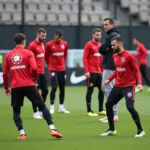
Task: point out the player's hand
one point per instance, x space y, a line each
7 92
106 83
140 87
87 74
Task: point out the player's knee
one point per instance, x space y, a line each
130 107
41 105
90 90
109 104
45 92
54 89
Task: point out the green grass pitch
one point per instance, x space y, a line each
80 132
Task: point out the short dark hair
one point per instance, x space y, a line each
40 30
19 38
59 33
138 39
96 30
117 38
111 21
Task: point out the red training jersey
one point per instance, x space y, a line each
141 54
18 64
56 55
92 59
38 50
127 71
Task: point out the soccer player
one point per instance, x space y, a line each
141 60
18 64
37 47
108 63
125 74
92 62
55 56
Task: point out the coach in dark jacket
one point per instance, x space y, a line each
108 63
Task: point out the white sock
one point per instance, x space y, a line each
36 113
52 127
51 106
115 116
40 113
22 132
61 106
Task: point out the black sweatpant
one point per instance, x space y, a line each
17 99
94 81
57 79
43 86
114 97
144 74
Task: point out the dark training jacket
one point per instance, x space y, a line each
108 62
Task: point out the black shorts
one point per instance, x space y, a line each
117 94
42 82
57 78
18 94
95 80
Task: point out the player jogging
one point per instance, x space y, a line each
92 61
141 55
37 47
18 64
125 74
55 57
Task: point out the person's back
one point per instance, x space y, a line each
19 67
19 61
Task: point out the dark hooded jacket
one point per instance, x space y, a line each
108 62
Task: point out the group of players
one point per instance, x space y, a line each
103 62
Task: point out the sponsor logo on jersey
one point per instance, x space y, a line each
18 67
16 58
58 54
40 55
121 69
97 54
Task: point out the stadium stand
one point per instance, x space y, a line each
65 12
138 7
53 12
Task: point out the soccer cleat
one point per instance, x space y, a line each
63 110
51 111
137 90
102 119
22 137
109 132
37 116
56 134
148 90
91 114
103 112
40 113
105 120
140 133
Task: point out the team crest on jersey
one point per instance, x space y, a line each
62 46
123 59
16 58
129 94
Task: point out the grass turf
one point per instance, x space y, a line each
80 132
